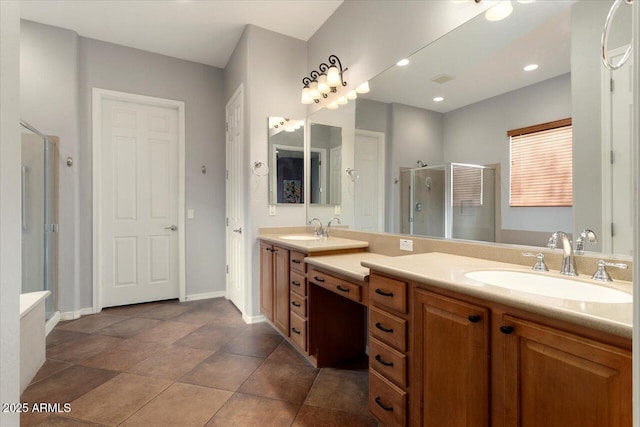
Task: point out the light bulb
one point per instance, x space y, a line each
333 76
306 96
313 90
289 129
342 101
363 88
402 62
333 105
351 95
500 11
323 87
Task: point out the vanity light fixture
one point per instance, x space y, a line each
530 67
363 88
320 83
351 95
403 62
438 99
279 124
500 11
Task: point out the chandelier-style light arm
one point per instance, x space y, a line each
334 60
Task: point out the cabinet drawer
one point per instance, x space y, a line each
298 331
297 262
387 361
388 328
298 283
386 401
298 304
318 277
346 289
387 292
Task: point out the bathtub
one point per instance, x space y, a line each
32 335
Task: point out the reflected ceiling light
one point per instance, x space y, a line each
402 62
363 88
342 100
319 84
438 99
279 124
333 105
351 94
531 67
500 11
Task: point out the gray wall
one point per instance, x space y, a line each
58 71
270 67
477 134
10 268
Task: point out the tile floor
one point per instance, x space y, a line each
187 364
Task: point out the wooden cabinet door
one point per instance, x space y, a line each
281 282
553 378
266 280
451 363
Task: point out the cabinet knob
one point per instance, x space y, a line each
474 318
506 329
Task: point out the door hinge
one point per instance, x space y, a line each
612 233
226 126
611 156
611 84
227 268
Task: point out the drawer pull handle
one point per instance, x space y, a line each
474 318
341 289
295 261
295 331
295 304
318 279
274 250
383 293
383 329
384 362
506 329
268 249
294 283
382 405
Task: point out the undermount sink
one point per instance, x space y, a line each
300 237
548 286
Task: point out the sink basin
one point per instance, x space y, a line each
300 237
554 287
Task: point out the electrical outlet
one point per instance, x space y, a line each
272 210
337 209
406 245
190 214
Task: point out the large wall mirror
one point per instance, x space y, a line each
437 129
286 160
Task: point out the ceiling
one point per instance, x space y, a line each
484 59
204 31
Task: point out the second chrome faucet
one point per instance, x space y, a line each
568 261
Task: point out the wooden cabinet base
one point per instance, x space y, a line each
386 401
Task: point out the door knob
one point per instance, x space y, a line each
172 228
238 230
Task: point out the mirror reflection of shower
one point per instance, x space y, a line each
39 214
451 200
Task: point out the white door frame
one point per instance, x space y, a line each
98 97
380 136
238 171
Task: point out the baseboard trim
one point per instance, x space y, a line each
253 319
51 323
206 295
72 315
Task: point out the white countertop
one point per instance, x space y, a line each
309 246
349 265
448 272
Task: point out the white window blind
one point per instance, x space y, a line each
542 165
467 185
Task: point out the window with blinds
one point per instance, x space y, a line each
467 185
542 165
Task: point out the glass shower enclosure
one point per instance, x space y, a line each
39 214
452 200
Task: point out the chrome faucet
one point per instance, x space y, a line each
326 230
568 260
587 236
319 230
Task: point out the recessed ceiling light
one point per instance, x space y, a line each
402 62
526 1
500 11
531 67
438 99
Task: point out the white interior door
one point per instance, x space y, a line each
369 186
139 203
235 206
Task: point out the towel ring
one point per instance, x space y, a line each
260 165
605 35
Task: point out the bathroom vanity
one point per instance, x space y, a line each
445 347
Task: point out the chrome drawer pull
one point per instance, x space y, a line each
383 329
383 293
385 363
380 404
341 289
